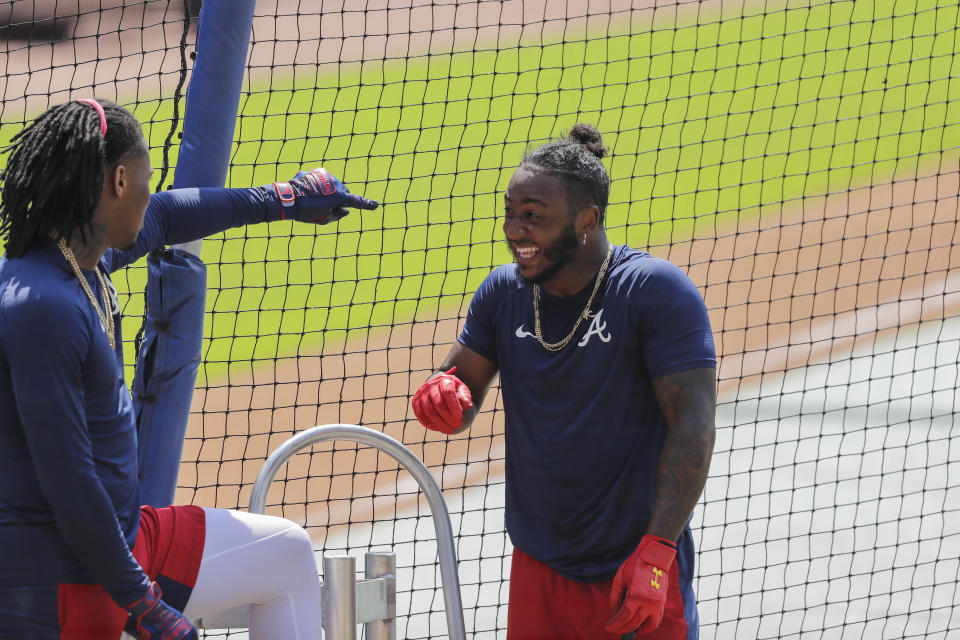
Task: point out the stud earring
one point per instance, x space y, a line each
584 243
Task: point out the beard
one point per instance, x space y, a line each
558 254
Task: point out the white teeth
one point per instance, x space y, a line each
526 252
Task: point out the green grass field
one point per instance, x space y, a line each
712 119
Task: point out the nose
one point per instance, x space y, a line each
513 228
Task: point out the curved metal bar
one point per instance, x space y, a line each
446 551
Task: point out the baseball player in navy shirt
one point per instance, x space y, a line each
608 374
79 557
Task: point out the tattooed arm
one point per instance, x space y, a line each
688 401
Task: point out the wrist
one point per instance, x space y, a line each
657 551
449 373
146 601
649 538
273 206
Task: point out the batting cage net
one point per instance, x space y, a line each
799 160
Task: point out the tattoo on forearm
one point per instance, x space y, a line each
688 401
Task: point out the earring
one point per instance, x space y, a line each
584 243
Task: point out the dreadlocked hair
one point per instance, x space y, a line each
576 159
55 171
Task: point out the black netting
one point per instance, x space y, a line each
798 160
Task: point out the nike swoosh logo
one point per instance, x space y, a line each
524 334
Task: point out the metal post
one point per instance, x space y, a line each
339 598
383 565
446 550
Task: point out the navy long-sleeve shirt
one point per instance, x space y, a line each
69 491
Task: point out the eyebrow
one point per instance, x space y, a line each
527 199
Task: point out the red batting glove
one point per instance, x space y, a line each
439 404
639 590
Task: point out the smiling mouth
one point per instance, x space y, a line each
525 254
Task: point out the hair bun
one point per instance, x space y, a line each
588 136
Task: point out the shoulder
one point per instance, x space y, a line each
505 276
36 293
638 268
501 281
499 289
635 263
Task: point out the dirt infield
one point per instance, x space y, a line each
810 284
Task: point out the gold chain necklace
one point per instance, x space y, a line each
106 318
557 346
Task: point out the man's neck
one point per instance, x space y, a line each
580 271
88 251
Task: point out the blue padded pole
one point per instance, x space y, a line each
213 96
169 357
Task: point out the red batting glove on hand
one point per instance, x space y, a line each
154 619
639 590
439 404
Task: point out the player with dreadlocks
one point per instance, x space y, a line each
608 374
81 559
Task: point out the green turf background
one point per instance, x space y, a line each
713 120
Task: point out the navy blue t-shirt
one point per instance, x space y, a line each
69 492
583 429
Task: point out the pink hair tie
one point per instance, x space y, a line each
103 117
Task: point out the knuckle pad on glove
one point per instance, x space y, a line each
324 181
446 386
311 182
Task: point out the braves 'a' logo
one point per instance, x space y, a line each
597 328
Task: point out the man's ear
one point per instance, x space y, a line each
587 219
115 180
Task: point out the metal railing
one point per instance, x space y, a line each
346 604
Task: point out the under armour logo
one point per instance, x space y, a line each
657 574
524 334
597 327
